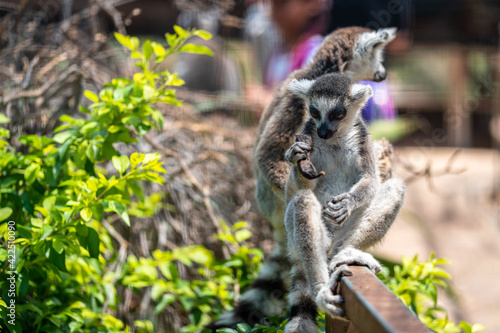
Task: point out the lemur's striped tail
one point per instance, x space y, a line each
303 309
264 298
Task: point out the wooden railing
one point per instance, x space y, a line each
371 307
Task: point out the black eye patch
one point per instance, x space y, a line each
314 112
337 113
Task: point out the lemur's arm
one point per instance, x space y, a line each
296 181
277 136
364 190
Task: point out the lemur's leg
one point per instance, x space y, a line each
265 297
372 228
308 241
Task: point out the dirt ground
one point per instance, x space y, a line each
459 220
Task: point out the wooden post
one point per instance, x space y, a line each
371 307
456 118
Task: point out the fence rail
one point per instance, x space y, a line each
371 307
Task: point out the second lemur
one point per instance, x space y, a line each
330 220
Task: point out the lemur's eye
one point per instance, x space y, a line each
314 112
337 113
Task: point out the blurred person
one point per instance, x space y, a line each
301 23
294 32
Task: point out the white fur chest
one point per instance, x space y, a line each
341 166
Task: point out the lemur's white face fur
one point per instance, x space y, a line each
332 100
369 55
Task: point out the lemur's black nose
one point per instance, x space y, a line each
380 76
324 132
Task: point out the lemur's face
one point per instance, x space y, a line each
369 55
332 100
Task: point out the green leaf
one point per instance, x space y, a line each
82 230
157 117
226 330
4 119
98 211
136 189
62 136
31 173
201 255
242 235
147 49
170 39
136 159
117 207
135 43
58 246
58 259
243 328
179 31
84 109
198 49
5 213
466 327
121 163
124 40
239 225
440 273
166 299
47 230
93 243
148 92
90 95
136 55
25 279
121 93
86 214
478 328
203 34
131 120
158 49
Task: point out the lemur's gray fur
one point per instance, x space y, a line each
331 219
358 53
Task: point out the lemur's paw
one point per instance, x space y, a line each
352 256
339 209
324 300
297 152
337 275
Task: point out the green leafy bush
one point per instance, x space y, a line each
416 284
57 195
217 286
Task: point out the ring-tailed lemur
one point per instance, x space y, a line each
358 53
329 220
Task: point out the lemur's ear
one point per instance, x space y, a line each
386 35
376 38
300 87
360 93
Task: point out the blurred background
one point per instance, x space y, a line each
439 106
